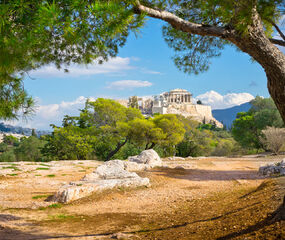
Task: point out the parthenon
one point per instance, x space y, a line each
177 96
179 101
176 101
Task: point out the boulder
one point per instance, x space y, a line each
80 189
109 175
149 157
133 166
113 169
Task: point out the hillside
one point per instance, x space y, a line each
6 128
228 115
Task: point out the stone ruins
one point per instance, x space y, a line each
176 101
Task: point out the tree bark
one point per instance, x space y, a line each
260 48
112 153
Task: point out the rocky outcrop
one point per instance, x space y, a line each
277 168
111 174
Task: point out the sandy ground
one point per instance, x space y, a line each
201 198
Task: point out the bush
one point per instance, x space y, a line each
8 156
273 139
29 149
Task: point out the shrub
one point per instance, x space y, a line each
8 156
273 138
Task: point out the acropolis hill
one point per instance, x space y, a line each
176 101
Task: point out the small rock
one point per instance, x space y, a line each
180 168
277 168
120 236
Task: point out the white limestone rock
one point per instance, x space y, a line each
109 175
133 166
149 157
71 192
113 169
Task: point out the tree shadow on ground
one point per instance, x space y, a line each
277 216
208 175
12 234
8 217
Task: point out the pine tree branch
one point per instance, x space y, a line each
183 25
278 30
277 41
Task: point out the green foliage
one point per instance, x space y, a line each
40 196
29 149
205 140
227 147
248 126
129 149
245 131
3 147
70 142
36 32
8 156
10 140
143 132
194 52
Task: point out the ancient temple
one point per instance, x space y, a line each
179 101
176 101
178 96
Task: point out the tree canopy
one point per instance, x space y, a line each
34 33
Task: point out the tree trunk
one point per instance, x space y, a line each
259 47
149 147
112 153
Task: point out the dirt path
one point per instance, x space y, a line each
209 198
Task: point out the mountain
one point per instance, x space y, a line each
228 115
5 128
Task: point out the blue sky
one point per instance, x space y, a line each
143 67
150 60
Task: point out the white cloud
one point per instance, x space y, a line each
218 101
147 71
129 84
117 66
53 114
113 66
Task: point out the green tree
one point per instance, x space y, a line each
70 142
245 131
173 131
8 156
29 149
34 133
144 132
37 32
112 119
10 140
247 127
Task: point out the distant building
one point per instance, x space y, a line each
176 101
179 101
